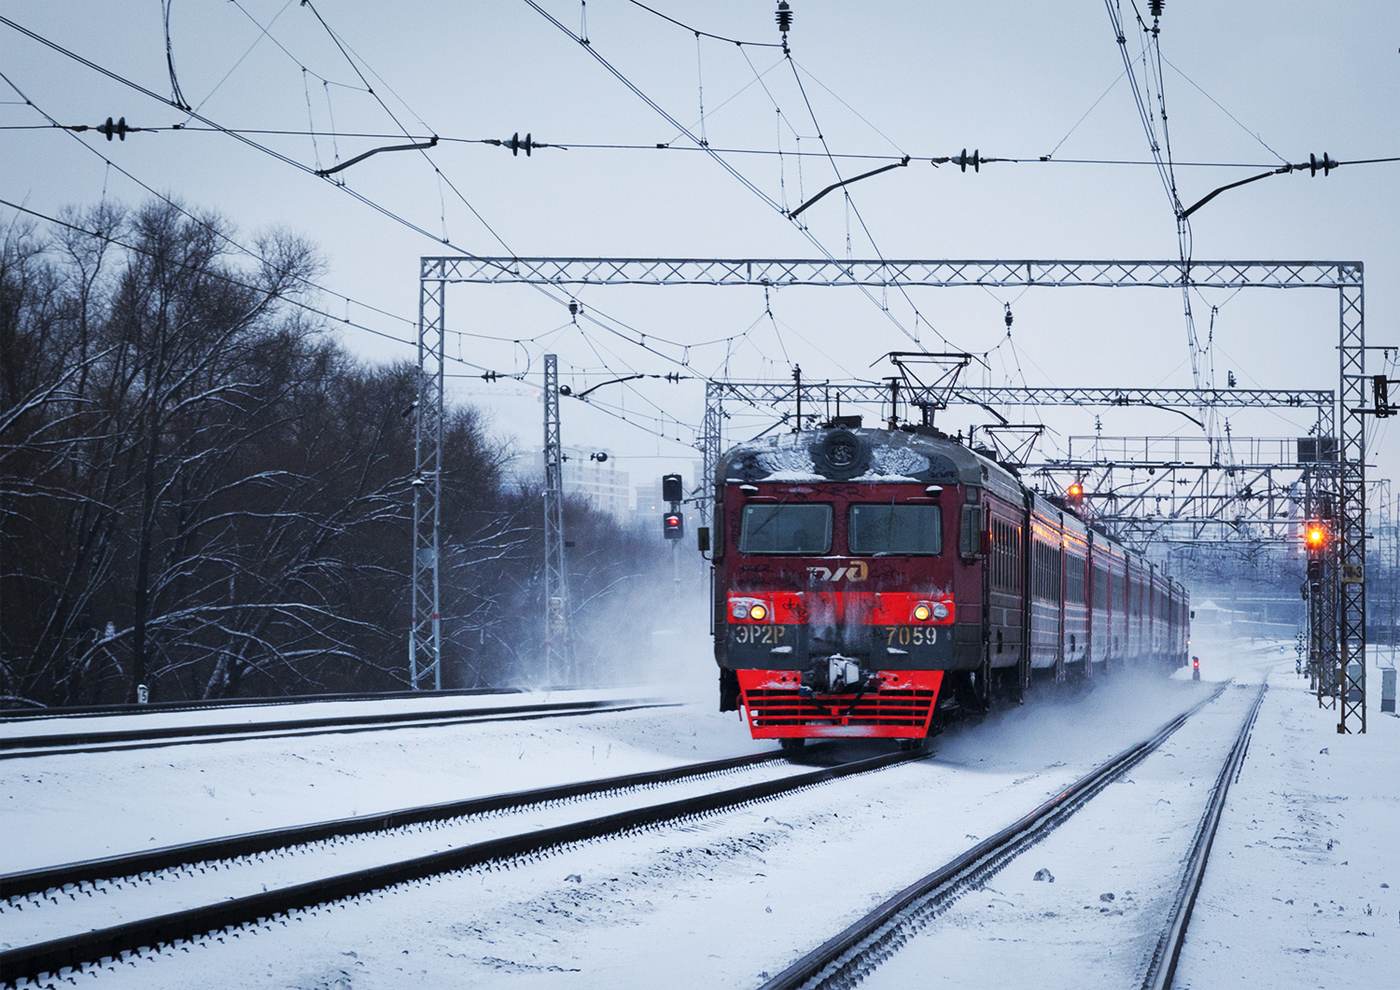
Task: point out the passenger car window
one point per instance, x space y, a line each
791 529
896 529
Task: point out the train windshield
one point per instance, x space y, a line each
786 529
895 529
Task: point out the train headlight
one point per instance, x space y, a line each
922 613
940 611
758 612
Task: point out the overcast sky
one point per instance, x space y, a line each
1247 84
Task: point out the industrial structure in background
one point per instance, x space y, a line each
1339 481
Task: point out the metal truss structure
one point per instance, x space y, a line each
1347 484
557 645
1175 490
425 626
816 273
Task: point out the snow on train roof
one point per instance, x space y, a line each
863 455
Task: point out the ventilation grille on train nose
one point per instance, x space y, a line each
771 707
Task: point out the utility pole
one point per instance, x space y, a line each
558 645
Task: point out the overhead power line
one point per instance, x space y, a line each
705 34
527 144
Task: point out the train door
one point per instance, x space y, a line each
1005 597
1075 631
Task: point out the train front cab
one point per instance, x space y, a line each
822 628
873 617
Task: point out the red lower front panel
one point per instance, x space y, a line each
900 709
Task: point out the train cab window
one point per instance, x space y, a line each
902 530
786 529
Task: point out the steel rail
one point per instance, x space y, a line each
845 957
1168 952
36 713
74 951
15 747
24 883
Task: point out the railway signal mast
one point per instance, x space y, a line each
673 523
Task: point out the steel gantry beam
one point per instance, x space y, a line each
907 273
818 395
1345 277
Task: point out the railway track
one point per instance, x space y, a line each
149 737
849 956
38 713
387 850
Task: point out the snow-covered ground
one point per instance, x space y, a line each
1303 886
725 900
254 716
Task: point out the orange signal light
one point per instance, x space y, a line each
1316 536
1076 490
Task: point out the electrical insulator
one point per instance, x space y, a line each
1327 164
120 129
1155 6
784 18
963 161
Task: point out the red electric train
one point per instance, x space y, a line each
881 582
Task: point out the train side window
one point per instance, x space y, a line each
970 533
717 532
876 529
785 529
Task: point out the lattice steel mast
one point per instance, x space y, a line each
558 647
425 627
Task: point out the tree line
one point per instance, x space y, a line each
203 493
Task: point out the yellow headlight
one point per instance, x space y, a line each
758 612
922 613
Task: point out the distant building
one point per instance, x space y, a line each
593 474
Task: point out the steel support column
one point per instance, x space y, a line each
1351 549
711 446
558 650
425 627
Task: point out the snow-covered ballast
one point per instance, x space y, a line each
867 578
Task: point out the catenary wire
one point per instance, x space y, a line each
704 34
212 125
606 146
